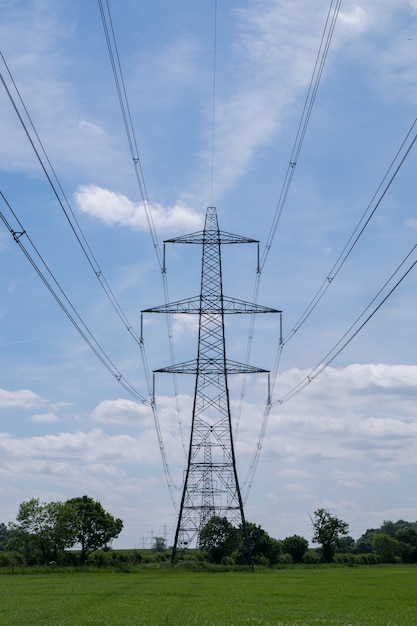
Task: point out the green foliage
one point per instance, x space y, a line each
90 526
40 531
311 557
346 544
328 530
219 539
44 531
223 543
5 535
264 549
386 547
296 546
405 533
11 559
364 543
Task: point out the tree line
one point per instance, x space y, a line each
44 532
70 532
391 542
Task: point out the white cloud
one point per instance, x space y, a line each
252 108
116 208
354 18
121 411
22 399
91 446
91 128
43 418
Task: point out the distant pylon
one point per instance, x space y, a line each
211 486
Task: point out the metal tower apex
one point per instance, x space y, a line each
211 234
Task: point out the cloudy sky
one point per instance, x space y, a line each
347 440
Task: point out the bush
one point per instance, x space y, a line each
284 559
296 546
311 557
11 559
345 558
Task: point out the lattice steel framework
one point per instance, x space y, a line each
211 485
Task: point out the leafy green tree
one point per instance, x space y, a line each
407 536
346 545
386 547
264 549
219 538
40 531
90 526
364 544
5 535
404 532
296 547
328 529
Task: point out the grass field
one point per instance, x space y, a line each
356 596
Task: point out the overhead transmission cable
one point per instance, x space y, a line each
314 84
345 340
62 199
320 62
118 76
76 228
353 330
213 108
394 168
19 235
389 177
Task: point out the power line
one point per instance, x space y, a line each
63 301
64 202
317 73
213 111
113 51
353 330
389 177
321 58
123 99
77 231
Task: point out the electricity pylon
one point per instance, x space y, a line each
211 485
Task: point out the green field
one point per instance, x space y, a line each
364 595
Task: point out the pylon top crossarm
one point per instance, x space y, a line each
211 237
200 304
211 233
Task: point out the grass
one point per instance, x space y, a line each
299 596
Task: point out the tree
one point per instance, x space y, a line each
219 538
346 545
407 536
386 547
40 533
264 549
5 535
364 544
328 529
90 526
295 546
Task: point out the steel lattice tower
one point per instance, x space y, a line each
211 485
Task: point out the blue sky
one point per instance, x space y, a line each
347 442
